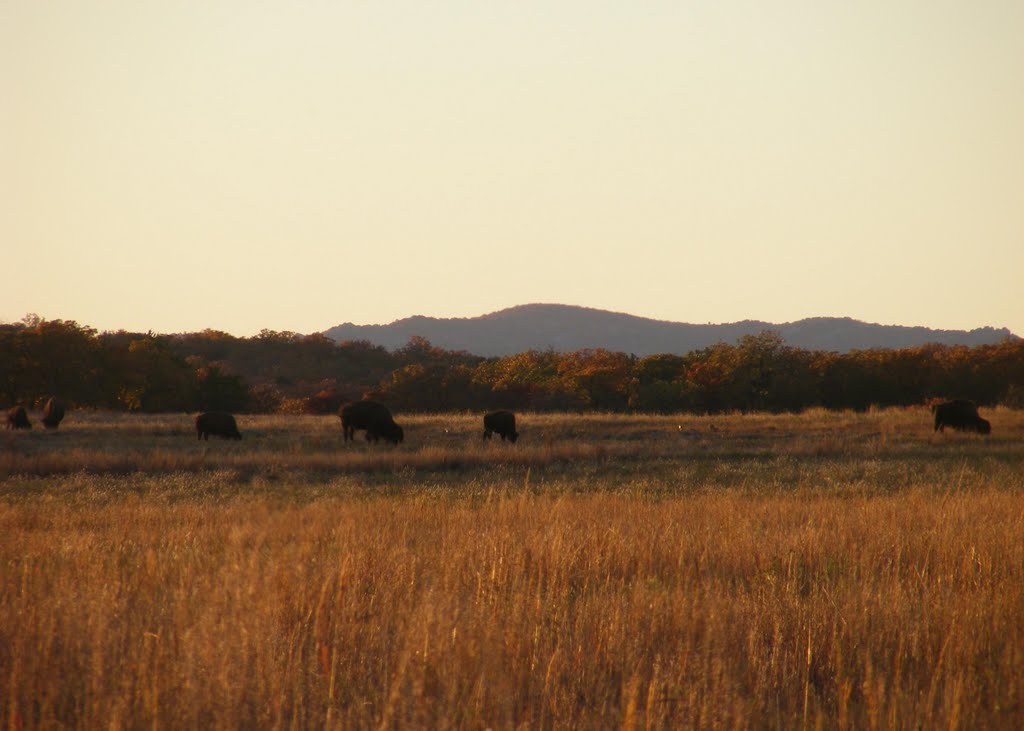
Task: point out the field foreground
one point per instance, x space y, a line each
835 570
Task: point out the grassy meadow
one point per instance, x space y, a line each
826 570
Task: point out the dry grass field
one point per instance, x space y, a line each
826 570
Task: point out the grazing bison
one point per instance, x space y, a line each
502 423
374 418
961 415
217 423
53 414
18 419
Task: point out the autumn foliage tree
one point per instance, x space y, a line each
527 381
660 384
602 379
310 373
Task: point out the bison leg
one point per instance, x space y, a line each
487 433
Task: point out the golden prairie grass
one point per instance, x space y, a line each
120 443
826 570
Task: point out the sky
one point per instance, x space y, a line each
241 165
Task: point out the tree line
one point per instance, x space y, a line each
287 372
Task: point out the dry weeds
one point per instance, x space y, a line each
841 571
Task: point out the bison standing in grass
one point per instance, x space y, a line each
217 423
17 418
53 414
374 418
502 423
961 415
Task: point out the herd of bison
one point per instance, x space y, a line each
376 420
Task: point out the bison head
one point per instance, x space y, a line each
394 434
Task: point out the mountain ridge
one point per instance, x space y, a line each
566 328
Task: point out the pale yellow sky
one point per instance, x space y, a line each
242 165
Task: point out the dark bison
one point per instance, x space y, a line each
961 415
502 423
18 419
217 423
374 418
53 414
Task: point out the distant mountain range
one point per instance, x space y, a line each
567 328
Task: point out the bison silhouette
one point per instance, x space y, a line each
372 417
217 423
502 423
17 418
53 414
961 415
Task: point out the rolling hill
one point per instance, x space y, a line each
568 328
